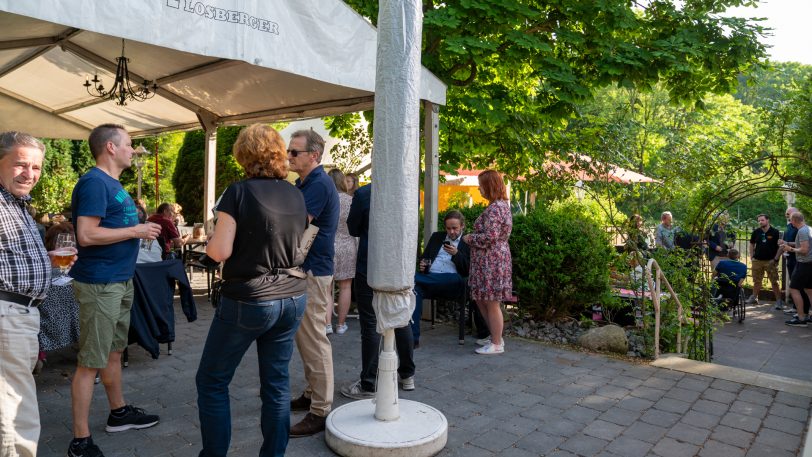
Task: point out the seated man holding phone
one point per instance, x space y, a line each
443 267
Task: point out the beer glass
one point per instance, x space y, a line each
64 251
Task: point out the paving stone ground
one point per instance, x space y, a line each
533 400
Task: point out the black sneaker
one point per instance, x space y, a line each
86 449
795 322
133 418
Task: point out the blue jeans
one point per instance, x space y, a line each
237 324
434 285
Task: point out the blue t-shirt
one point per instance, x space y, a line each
734 270
321 199
97 194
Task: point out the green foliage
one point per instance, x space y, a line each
471 214
517 68
348 153
188 176
167 147
561 259
459 200
52 193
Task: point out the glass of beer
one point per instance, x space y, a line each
64 251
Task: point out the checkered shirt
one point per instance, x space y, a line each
24 264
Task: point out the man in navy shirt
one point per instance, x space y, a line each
107 233
321 198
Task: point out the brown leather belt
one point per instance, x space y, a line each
19 299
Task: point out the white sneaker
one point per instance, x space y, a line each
341 329
491 349
751 300
484 341
328 329
407 384
779 305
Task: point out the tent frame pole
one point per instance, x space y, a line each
431 163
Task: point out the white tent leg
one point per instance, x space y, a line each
431 178
209 170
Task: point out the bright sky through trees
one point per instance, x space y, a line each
791 38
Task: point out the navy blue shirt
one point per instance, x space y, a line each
358 225
734 270
98 194
321 200
789 236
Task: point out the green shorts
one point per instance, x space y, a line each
104 320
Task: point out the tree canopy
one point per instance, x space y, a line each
516 69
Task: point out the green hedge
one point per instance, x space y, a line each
561 258
188 177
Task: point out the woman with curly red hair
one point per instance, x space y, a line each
260 222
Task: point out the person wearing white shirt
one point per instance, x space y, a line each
443 267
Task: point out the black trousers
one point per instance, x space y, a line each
371 339
791 262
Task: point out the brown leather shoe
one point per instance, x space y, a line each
300 404
310 425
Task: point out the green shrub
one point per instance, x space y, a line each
561 259
188 177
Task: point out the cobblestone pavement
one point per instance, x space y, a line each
763 343
533 400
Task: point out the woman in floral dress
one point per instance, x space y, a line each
491 265
346 249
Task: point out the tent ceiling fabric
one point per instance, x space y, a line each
233 61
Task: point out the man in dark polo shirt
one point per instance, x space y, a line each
764 255
25 273
321 198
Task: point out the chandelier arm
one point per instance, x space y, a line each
122 89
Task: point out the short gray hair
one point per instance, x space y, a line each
665 213
9 141
314 141
797 217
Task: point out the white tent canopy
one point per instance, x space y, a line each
216 62
276 60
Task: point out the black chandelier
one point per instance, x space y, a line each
122 89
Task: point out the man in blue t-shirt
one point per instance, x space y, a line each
107 233
730 274
321 198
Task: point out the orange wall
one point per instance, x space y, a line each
446 191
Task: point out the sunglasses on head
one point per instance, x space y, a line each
295 153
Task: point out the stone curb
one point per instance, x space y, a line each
740 375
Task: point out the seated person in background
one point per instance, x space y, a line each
165 217
179 221
141 207
54 231
633 279
730 274
718 240
443 265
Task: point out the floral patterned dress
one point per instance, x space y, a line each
491 263
346 246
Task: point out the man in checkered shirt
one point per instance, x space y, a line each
25 274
